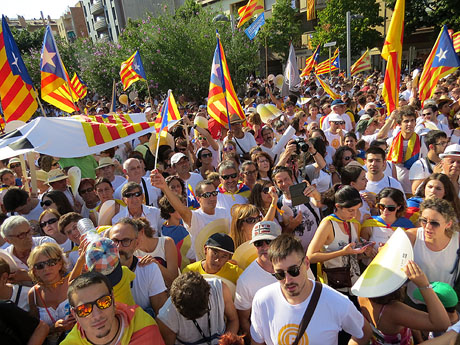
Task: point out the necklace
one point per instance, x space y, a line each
55 284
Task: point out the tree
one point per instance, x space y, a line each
281 29
426 13
332 25
27 40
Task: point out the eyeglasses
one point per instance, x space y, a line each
433 223
48 222
220 254
46 203
86 309
229 148
390 208
226 177
50 263
126 242
265 190
250 172
87 190
209 194
293 271
251 220
339 122
22 235
206 155
13 166
130 195
260 243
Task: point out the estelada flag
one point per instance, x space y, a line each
17 93
78 86
222 99
327 88
55 81
132 70
169 114
330 65
311 62
247 11
362 64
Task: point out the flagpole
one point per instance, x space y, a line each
148 91
39 103
223 80
266 58
330 63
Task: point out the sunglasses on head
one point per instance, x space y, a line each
260 243
293 271
251 220
433 223
46 203
390 208
48 222
86 309
209 194
50 263
226 177
206 155
130 195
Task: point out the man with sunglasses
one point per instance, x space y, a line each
231 191
451 165
269 146
338 108
100 321
334 134
278 309
88 194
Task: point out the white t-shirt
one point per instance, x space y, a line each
228 200
333 139
420 170
34 214
403 177
345 117
276 149
193 180
386 181
275 321
148 282
149 212
153 192
246 143
118 181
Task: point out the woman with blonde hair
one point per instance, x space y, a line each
48 297
243 219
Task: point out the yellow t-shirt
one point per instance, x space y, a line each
228 271
122 291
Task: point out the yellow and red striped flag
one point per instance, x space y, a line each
54 78
78 86
16 89
392 53
456 41
330 65
327 88
169 114
311 62
132 70
247 11
442 61
363 64
222 99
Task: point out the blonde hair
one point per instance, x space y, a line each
446 210
50 250
239 213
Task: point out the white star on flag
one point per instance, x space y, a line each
442 54
215 69
136 66
16 62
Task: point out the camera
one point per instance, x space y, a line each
301 145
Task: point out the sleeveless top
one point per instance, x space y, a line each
340 241
403 337
158 253
436 265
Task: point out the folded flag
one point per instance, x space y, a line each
169 114
311 62
327 88
378 222
192 203
78 86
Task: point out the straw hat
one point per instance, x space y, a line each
221 225
55 175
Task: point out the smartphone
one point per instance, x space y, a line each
362 244
297 196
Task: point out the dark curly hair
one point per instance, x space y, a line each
190 295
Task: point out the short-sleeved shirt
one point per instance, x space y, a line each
228 271
148 282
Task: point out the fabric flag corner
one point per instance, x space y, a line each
311 62
247 11
327 88
362 64
78 86
169 114
132 70
17 94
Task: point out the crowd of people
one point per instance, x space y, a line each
249 233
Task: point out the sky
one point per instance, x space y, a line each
31 8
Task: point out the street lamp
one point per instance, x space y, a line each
349 18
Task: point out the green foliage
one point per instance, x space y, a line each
281 29
27 40
426 13
332 25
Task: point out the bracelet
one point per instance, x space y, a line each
314 154
429 286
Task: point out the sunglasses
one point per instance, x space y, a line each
130 195
86 309
209 194
87 190
226 177
22 235
265 190
126 242
229 148
48 222
13 166
293 271
390 208
50 263
251 220
433 223
260 243
46 203
201 138
206 155
339 122
181 149
347 158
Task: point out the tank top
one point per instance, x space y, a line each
158 252
403 337
436 265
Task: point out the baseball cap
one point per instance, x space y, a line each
335 118
445 292
265 230
222 242
177 157
451 150
337 102
102 256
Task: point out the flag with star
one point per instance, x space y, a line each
330 65
55 82
442 61
192 202
310 62
17 93
222 99
132 70
362 64
169 114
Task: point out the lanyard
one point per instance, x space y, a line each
205 338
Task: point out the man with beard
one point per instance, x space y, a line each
148 288
278 309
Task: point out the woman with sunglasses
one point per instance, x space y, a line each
244 217
435 245
204 163
265 197
229 152
48 222
342 157
56 200
48 297
264 165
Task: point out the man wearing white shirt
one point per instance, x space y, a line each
244 140
376 179
181 163
334 134
274 150
339 108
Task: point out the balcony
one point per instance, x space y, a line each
97 7
100 24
